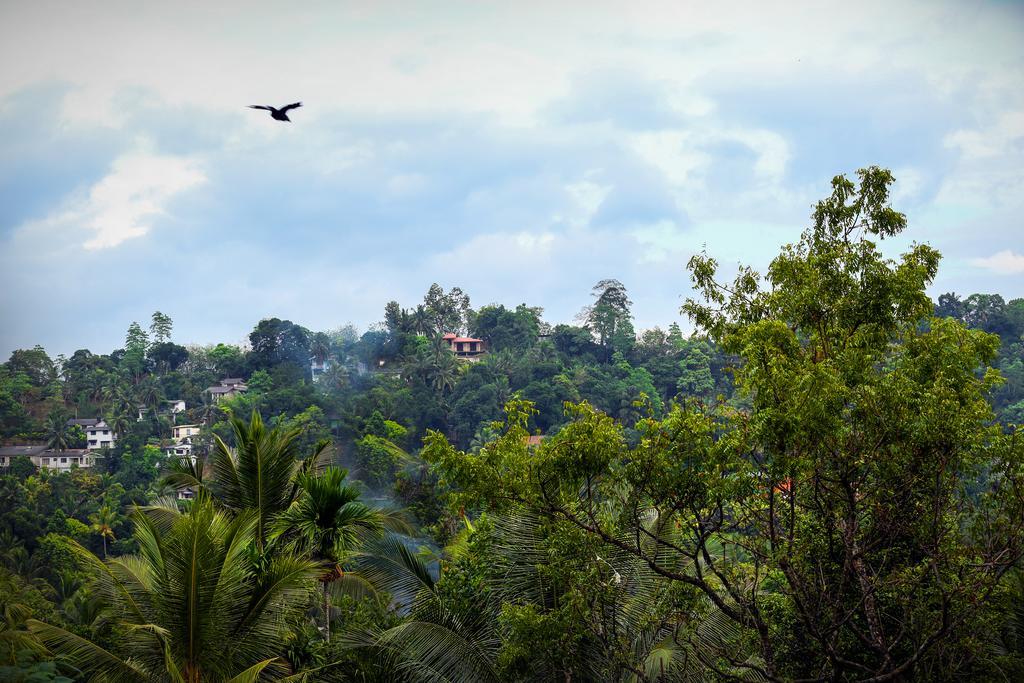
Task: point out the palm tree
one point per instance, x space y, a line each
320 347
149 393
190 606
14 639
57 436
330 521
103 521
444 370
421 320
259 473
120 421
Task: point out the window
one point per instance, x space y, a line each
105 432
63 461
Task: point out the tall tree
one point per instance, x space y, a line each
58 436
136 343
103 522
258 474
330 521
161 327
446 312
609 317
856 521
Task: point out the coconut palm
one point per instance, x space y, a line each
329 521
103 521
320 347
444 369
190 607
121 420
57 436
421 323
148 393
259 473
14 639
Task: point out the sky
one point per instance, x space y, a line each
520 151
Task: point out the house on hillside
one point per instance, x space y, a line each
318 368
228 388
98 433
181 441
465 347
45 458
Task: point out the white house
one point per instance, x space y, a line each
98 433
227 388
317 368
182 435
176 406
44 458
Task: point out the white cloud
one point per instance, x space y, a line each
124 203
1006 262
994 140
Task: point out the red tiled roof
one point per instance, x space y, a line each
466 339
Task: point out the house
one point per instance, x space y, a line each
45 458
180 432
318 368
464 347
181 438
98 433
176 406
227 388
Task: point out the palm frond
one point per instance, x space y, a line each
87 656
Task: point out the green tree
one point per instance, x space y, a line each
57 434
161 327
103 522
190 606
609 317
329 521
258 474
856 521
136 344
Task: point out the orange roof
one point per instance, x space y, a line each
452 338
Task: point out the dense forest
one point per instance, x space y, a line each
823 482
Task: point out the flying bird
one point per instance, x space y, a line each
275 113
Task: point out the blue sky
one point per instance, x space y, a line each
520 153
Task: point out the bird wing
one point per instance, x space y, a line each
260 106
293 105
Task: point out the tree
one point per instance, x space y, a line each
329 520
190 606
35 364
57 436
103 522
258 474
136 344
168 356
161 327
276 341
446 312
856 521
609 317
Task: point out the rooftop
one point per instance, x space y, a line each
21 450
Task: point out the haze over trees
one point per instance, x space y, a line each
824 481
